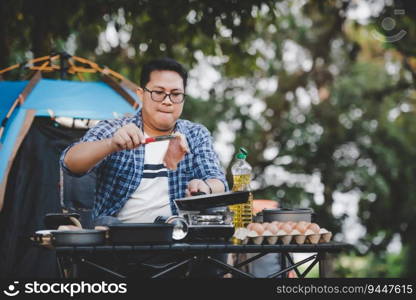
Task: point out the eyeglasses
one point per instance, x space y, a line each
160 96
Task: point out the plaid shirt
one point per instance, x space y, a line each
119 174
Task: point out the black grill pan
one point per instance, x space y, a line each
200 202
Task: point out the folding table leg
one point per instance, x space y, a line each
102 268
283 263
247 261
308 269
285 270
322 264
74 269
292 263
229 268
60 267
172 268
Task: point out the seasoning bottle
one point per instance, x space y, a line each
241 171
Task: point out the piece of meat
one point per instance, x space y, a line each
177 149
104 228
68 227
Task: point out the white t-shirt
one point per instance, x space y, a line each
151 199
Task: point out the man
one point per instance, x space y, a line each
133 184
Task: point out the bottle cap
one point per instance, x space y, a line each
242 154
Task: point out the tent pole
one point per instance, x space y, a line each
20 100
31 61
30 115
33 81
119 89
23 131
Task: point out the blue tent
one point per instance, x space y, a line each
86 100
31 139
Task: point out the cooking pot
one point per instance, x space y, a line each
287 214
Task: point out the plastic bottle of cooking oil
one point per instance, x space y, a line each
241 171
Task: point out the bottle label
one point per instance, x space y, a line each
241 182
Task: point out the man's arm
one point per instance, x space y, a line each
83 156
208 173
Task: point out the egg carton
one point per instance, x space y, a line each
252 237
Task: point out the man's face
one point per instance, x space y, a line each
162 116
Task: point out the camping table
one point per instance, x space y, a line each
197 252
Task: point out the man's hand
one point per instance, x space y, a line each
196 185
127 137
177 149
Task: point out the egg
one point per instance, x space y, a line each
257 228
277 224
272 228
303 223
314 227
291 224
249 226
301 227
286 227
265 224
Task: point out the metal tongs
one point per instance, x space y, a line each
159 138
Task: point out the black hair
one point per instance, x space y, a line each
162 64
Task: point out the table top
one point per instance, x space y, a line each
207 247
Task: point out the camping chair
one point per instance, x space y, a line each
77 195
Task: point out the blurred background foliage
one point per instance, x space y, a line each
323 101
